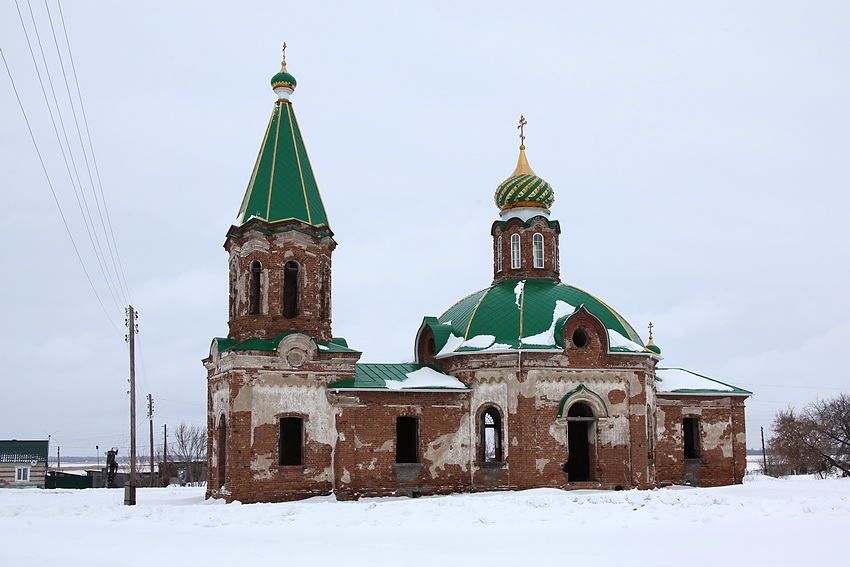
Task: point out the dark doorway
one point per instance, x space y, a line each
580 422
407 440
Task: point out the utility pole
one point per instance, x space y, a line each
130 488
763 452
58 460
163 464
150 419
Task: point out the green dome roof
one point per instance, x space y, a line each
524 188
283 78
525 314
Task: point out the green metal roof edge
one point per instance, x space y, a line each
370 381
527 223
19 451
285 229
264 345
575 391
735 389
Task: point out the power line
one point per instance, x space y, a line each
53 192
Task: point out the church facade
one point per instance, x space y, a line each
527 383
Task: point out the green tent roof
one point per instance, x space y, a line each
283 186
524 314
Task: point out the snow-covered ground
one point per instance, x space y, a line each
797 521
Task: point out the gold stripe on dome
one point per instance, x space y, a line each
250 191
526 205
474 311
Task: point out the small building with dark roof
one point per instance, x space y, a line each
23 463
527 383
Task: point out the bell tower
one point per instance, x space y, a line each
281 244
525 241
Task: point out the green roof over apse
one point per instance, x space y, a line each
283 186
524 314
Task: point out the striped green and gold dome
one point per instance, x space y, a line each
524 189
283 78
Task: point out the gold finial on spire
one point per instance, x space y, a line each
522 167
650 333
283 60
521 128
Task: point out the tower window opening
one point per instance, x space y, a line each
491 435
516 261
290 289
291 441
407 439
499 254
555 264
537 248
254 289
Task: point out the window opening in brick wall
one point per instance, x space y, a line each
580 423
222 452
407 439
580 338
326 293
491 435
499 254
516 261
555 265
690 434
291 441
254 288
290 289
537 247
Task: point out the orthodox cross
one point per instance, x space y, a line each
521 128
650 330
284 52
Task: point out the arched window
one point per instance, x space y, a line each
491 435
325 292
537 243
516 261
499 254
222 452
290 289
254 289
555 265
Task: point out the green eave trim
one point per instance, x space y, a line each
553 224
270 230
581 388
374 376
735 391
339 345
283 185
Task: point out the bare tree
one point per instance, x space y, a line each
191 447
816 439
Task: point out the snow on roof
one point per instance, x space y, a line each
426 378
616 340
547 337
680 381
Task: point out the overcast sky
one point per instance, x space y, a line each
698 152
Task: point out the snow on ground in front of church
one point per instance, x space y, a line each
798 521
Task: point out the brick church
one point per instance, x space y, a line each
527 383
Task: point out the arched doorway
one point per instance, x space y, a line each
580 422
